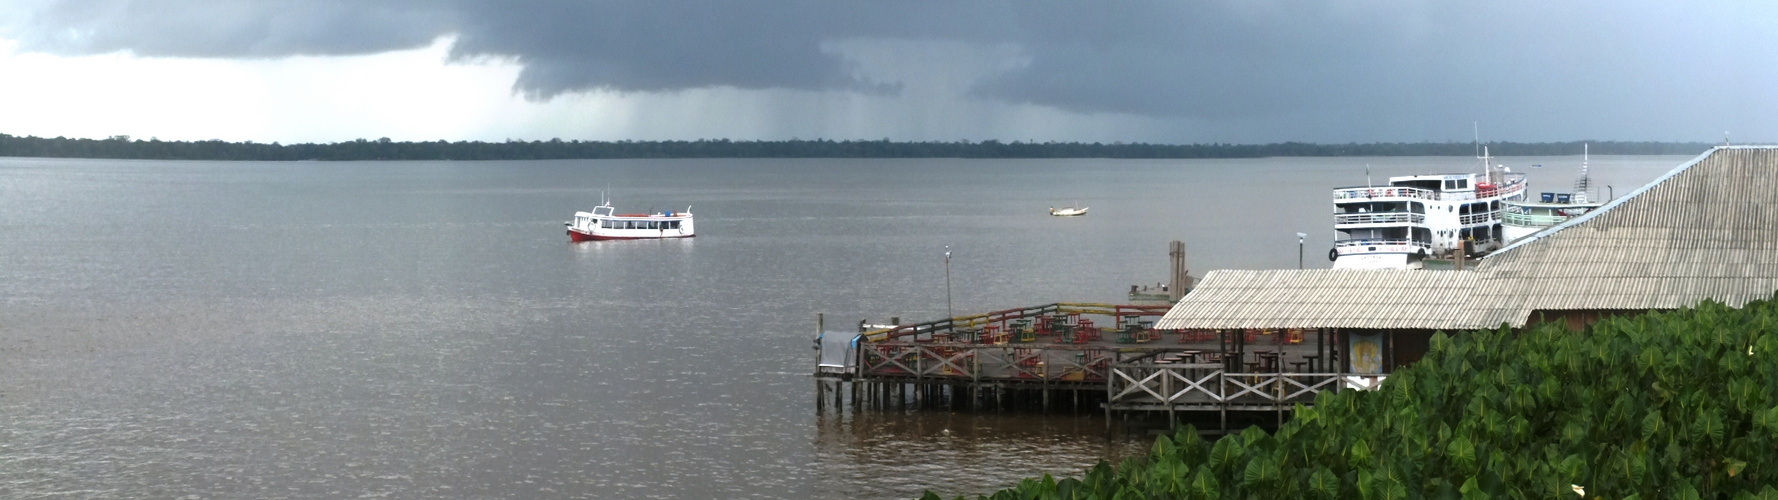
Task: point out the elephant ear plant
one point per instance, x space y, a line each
1680 404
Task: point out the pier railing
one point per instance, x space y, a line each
973 362
1207 386
975 324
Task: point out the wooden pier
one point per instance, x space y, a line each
1077 356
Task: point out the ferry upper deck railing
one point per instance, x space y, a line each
1512 187
1478 218
1371 193
1515 184
1379 218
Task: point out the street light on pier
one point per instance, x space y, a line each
948 311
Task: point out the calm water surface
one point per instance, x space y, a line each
426 330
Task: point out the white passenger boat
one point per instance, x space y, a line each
1068 211
603 224
1399 225
1525 218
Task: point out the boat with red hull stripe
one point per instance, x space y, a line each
603 224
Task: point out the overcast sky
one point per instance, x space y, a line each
1185 71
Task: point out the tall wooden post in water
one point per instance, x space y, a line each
1181 276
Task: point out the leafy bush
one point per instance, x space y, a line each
1680 404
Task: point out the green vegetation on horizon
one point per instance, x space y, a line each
122 147
1680 404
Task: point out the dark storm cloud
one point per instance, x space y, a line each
646 45
1371 70
213 28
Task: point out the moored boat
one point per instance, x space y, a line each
604 224
1525 218
1414 217
1068 211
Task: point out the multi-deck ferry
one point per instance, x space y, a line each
1399 225
603 224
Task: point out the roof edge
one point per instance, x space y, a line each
1620 200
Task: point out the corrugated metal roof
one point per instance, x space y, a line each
1706 230
1326 298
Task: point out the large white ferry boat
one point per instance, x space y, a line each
1399 225
603 224
1525 218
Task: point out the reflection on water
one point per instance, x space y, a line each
585 249
887 454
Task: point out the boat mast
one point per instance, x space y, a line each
1477 129
1583 184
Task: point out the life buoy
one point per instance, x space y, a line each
1333 254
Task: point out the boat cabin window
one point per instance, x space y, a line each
1417 207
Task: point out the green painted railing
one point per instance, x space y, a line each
1532 220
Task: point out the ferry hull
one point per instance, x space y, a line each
577 236
1513 233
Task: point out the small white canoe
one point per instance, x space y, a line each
1068 211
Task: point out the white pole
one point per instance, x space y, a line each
948 311
1299 249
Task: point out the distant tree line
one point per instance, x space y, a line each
123 147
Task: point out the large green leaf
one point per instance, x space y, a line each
1225 454
1260 473
1163 448
1360 453
1204 485
1462 453
1472 491
1709 427
1573 433
1685 491
1323 483
1733 466
1652 424
1572 469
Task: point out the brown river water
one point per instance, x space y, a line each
426 330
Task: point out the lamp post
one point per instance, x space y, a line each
948 311
1299 249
